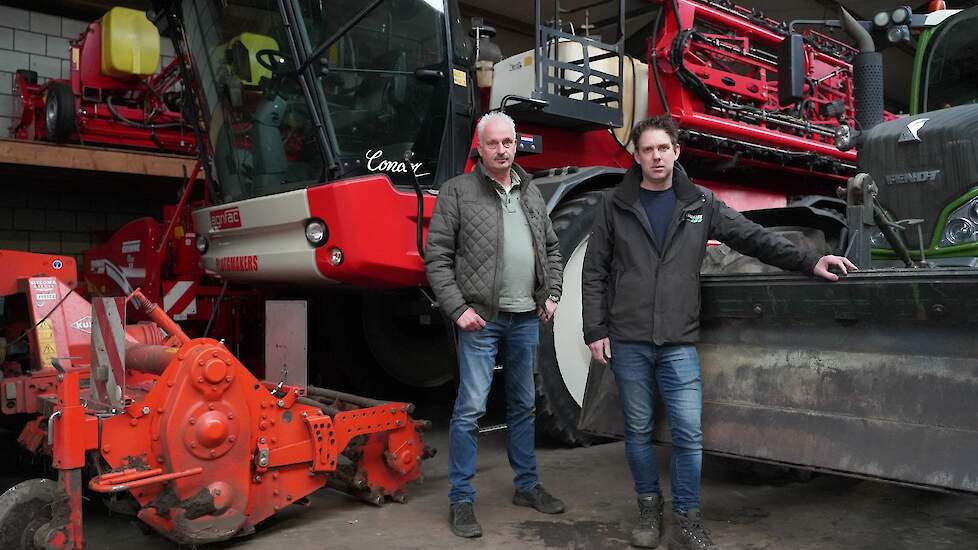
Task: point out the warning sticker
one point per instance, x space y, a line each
46 343
130 246
459 77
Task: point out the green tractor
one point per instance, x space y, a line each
924 166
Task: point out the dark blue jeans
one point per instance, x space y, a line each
639 367
519 333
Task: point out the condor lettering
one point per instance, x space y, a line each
237 263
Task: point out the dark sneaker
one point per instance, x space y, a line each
539 498
463 521
647 533
690 533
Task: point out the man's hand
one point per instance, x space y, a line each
470 321
839 262
546 311
601 350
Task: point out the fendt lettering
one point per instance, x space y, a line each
913 177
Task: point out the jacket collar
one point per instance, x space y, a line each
484 177
627 192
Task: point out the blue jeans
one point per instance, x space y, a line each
519 333
676 371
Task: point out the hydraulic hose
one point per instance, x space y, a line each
134 124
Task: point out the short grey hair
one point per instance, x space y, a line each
489 117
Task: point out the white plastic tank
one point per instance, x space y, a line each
514 76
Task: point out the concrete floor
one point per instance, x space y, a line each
826 513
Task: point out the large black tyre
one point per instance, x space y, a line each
722 260
563 358
25 508
59 112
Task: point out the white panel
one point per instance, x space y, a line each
286 342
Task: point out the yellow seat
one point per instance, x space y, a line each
130 44
250 71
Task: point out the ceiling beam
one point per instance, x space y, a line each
493 19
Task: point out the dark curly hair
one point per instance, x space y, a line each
661 122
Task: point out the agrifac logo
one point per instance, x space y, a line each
225 218
913 177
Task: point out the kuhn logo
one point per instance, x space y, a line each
84 324
913 177
226 218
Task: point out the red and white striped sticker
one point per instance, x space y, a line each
180 299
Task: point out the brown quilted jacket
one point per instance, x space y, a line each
462 255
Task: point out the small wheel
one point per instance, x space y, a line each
25 508
59 112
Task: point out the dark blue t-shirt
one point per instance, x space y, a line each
658 207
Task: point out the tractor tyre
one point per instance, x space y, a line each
563 359
25 508
59 112
723 260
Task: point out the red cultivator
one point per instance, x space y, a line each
177 430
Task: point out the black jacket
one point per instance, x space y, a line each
634 291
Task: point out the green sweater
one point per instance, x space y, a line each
516 291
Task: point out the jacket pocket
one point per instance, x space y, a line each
619 301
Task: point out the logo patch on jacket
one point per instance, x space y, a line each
694 218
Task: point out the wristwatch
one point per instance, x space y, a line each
554 299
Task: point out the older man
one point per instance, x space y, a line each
493 261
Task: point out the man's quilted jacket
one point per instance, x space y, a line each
463 257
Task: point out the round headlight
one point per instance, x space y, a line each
316 232
898 34
960 230
335 256
973 211
881 19
900 16
843 137
201 244
877 240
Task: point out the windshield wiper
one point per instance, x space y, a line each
321 49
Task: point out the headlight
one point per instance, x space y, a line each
316 232
962 225
960 231
900 16
335 256
877 239
201 244
843 137
898 34
881 19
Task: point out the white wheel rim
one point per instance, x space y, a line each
573 355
